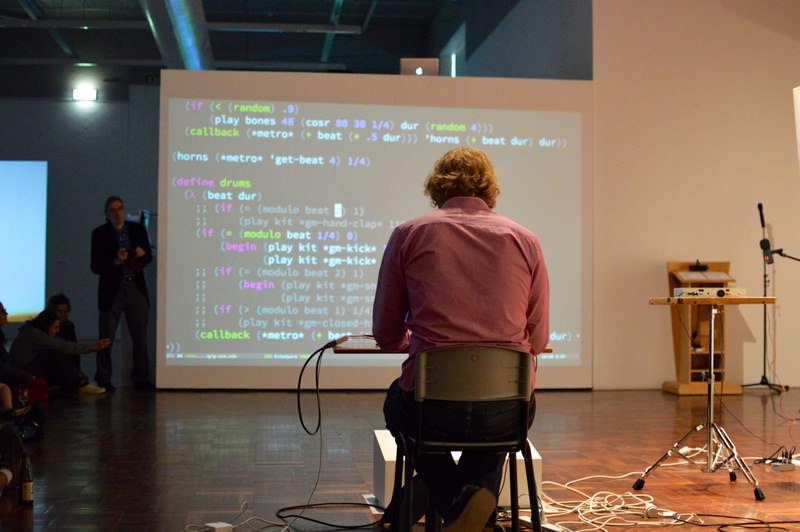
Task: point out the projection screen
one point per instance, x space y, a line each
278 191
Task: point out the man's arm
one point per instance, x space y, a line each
391 300
41 341
143 253
539 305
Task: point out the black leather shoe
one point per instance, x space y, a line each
107 385
146 386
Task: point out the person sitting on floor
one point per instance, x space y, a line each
39 351
61 306
9 374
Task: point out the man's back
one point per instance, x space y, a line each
468 275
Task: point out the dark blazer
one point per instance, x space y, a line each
104 251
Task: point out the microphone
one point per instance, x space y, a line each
766 251
761 215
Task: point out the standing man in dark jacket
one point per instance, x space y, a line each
120 251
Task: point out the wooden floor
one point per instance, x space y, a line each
145 461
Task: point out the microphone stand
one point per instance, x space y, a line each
777 388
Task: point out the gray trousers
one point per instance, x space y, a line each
131 302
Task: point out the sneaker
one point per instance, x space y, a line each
91 389
472 510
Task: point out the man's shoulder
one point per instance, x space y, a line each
102 228
426 218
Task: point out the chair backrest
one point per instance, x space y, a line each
472 396
472 373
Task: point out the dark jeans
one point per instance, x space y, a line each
444 477
132 302
58 369
12 375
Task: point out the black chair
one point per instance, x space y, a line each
450 379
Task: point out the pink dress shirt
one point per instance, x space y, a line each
462 274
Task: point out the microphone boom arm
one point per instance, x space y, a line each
785 255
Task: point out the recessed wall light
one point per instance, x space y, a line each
84 93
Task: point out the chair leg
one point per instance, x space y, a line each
409 492
512 478
432 518
533 495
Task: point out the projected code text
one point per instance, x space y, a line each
286 258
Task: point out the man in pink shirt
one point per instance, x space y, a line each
462 274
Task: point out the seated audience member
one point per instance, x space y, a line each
39 351
461 274
10 444
61 306
9 374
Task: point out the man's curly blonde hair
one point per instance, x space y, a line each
462 172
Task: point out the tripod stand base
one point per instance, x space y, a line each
777 388
730 457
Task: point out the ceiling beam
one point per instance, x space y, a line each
243 27
35 12
180 31
161 27
327 46
277 27
368 16
72 24
188 19
159 63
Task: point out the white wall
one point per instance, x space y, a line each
694 126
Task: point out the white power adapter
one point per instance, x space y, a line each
650 511
219 526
